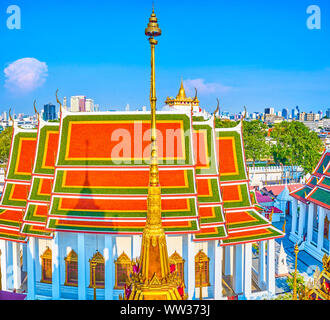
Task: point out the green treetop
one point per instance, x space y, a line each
296 145
5 140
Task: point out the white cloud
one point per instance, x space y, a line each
204 87
25 75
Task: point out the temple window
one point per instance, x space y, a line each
71 269
326 228
123 267
176 259
46 266
98 262
202 269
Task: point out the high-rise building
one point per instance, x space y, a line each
328 113
294 114
302 116
89 105
78 103
285 113
81 104
49 112
269 111
312 116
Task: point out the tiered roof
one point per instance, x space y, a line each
102 170
99 180
38 202
317 188
243 221
211 213
17 183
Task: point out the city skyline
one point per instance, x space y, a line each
258 55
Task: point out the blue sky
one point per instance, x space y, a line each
254 53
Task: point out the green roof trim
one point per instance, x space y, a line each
41 150
122 117
88 190
69 213
239 154
13 203
241 204
215 197
210 150
14 156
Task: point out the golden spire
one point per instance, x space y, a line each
153 281
296 251
182 93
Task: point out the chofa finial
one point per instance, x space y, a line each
58 101
35 109
245 112
10 117
218 108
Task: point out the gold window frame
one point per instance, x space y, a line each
201 257
123 260
177 260
99 259
71 257
47 255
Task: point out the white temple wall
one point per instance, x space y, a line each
174 243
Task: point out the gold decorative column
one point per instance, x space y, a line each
296 250
93 265
153 279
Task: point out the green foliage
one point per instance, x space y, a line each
285 296
225 123
5 140
198 119
296 145
254 134
300 280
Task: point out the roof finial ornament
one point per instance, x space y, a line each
195 95
217 109
245 112
35 109
58 101
10 117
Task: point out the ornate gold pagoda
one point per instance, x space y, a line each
152 278
182 99
319 287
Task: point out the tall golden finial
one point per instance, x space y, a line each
296 251
58 101
153 280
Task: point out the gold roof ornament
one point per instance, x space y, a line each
217 110
35 110
153 279
58 101
182 93
182 99
10 117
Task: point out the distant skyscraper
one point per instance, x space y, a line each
294 114
49 112
78 103
328 113
89 105
285 113
269 111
